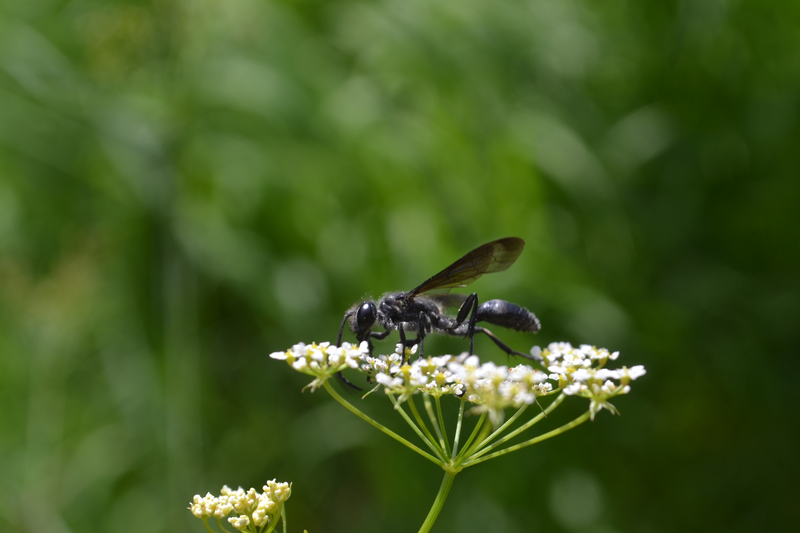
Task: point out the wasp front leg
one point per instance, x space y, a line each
380 336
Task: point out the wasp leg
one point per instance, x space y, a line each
412 342
425 326
469 307
402 338
341 327
503 346
380 336
403 342
339 343
348 382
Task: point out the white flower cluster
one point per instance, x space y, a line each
322 360
251 506
492 388
429 375
581 372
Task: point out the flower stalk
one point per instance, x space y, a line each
438 503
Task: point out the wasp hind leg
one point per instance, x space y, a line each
468 308
503 346
425 326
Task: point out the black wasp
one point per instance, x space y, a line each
424 313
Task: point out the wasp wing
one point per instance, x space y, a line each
494 256
446 299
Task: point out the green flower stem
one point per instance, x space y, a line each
430 442
475 431
485 442
458 428
376 425
267 529
219 522
549 409
431 439
442 427
438 503
284 518
468 451
434 422
273 523
205 523
578 421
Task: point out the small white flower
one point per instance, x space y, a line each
299 349
240 522
278 491
536 352
633 372
440 361
609 387
388 381
582 375
604 374
260 517
317 354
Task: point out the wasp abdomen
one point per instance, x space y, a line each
508 315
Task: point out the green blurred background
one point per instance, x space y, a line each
187 186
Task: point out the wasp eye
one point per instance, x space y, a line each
366 316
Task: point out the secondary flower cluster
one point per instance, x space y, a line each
581 372
494 388
251 507
403 378
322 360
491 388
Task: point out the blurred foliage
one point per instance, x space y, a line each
186 186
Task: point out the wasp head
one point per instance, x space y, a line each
365 317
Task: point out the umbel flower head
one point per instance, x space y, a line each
581 372
489 387
322 360
261 509
485 388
